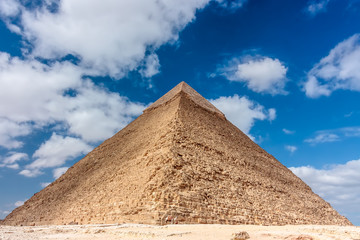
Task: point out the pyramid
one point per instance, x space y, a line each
181 159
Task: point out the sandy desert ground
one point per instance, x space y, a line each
174 232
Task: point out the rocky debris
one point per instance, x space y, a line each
302 237
188 232
180 158
240 236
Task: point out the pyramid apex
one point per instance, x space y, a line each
190 92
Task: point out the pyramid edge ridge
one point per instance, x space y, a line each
196 97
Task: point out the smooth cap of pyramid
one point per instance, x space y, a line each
190 92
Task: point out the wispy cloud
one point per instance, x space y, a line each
287 131
291 148
45 184
4 213
334 135
12 158
19 203
231 4
315 7
323 138
348 114
338 184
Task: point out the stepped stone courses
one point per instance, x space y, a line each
180 158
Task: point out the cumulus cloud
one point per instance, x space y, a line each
260 74
57 150
338 184
291 148
110 37
39 95
339 70
334 135
243 112
96 114
315 7
33 88
287 131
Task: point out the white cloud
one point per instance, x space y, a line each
314 89
54 153
14 157
96 114
57 172
5 212
315 7
19 203
334 135
261 74
31 172
291 148
339 70
287 131
339 184
13 166
323 137
10 130
231 4
272 114
10 161
243 112
33 88
45 184
37 93
111 37
9 8
57 150
151 66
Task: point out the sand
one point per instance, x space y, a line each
173 232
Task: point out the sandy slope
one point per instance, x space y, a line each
188 232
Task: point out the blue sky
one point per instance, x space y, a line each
287 73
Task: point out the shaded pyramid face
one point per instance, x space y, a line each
181 158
